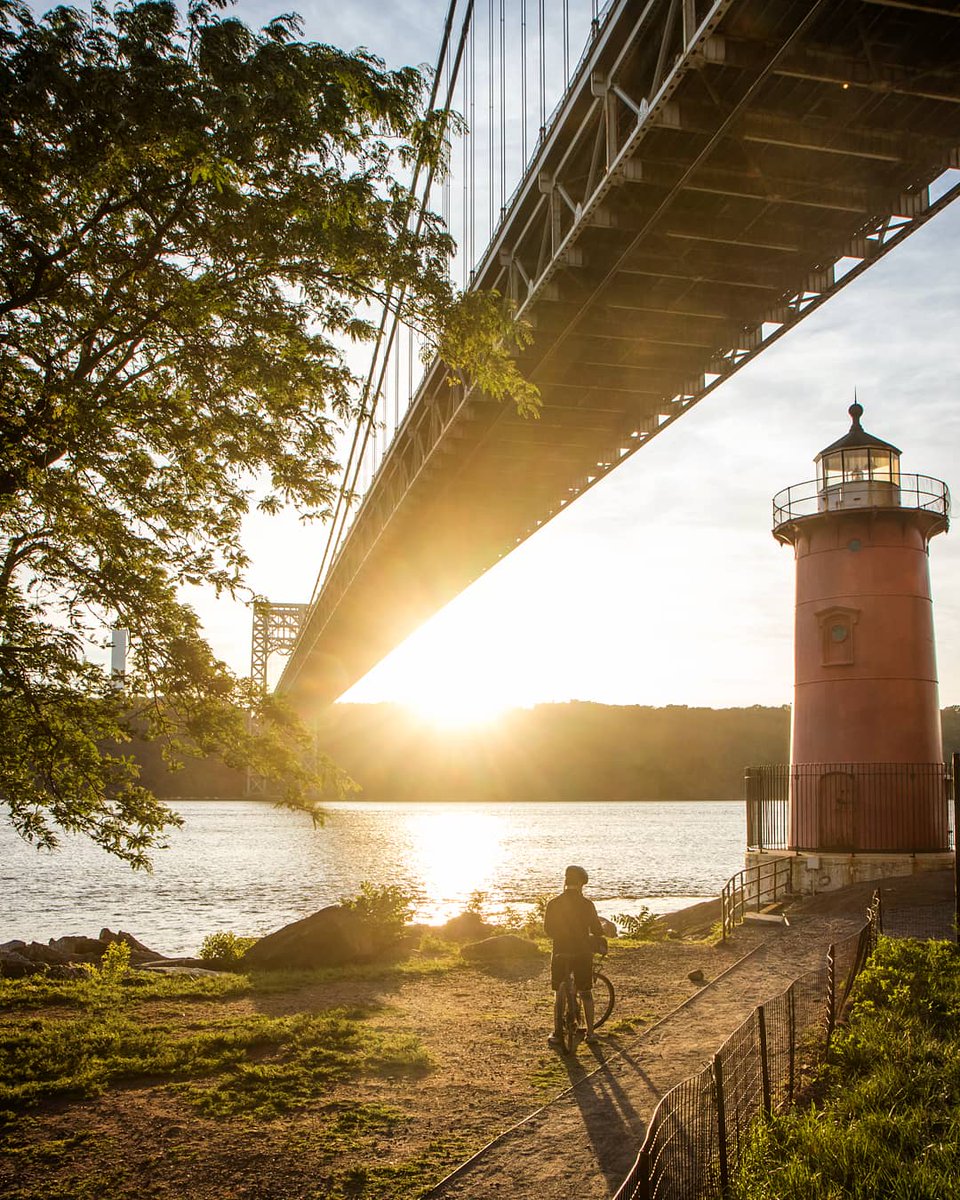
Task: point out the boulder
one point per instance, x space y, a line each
693 919
138 951
506 947
162 964
16 966
39 953
175 968
328 938
468 927
77 948
609 929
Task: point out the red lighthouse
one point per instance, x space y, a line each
865 791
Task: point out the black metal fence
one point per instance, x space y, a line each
699 1129
752 888
847 807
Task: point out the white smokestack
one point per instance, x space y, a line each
118 653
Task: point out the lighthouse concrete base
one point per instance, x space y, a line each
825 872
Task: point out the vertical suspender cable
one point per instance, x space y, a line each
491 141
523 82
503 107
396 387
416 233
465 184
473 150
543 78
410 350
566 42
353 459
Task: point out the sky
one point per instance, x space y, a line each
663 585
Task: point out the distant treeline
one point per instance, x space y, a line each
574 751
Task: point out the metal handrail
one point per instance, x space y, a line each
747 887
813 497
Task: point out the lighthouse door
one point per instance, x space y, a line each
835 810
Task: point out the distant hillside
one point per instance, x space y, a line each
574 751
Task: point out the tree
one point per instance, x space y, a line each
193 217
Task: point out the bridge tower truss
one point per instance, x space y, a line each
275 630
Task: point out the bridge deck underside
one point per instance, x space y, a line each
706 174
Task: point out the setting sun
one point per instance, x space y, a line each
457 710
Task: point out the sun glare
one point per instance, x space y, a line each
456 852
462 710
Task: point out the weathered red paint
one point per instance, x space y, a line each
883 705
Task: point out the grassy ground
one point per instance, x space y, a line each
362 1082
885 1122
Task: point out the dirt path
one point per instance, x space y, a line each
584 1142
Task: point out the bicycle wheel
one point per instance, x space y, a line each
603 998
569 1017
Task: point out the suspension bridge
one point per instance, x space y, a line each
706 174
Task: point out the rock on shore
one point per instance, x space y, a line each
66 957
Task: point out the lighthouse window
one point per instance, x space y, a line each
836 636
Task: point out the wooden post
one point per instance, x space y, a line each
956 832
721 1125
764 1064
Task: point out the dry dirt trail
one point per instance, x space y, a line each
584 1142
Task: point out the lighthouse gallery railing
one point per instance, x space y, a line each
908 491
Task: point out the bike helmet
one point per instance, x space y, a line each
574 877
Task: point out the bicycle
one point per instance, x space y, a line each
571 1022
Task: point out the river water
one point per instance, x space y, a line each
248 867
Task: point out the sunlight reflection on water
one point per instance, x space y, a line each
250 868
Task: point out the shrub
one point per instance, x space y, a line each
225 949
643 924
387 908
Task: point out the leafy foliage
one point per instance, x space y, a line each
386 908
194 218
890 1115
225 949
641 924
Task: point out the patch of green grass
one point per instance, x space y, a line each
550 1074
297 1057
403 1180
888 1121
37 991
626 1024
50 1152
324 1051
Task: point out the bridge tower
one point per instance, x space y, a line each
865 793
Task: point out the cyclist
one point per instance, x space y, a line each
572 922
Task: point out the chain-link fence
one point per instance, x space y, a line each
699 1129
